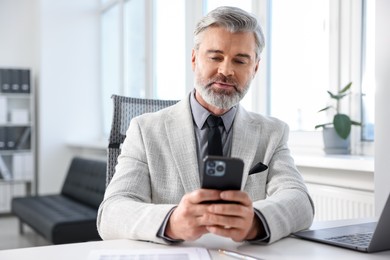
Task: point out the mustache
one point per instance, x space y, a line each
223 79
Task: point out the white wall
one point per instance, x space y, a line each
18 33
382 104
69 86
59 41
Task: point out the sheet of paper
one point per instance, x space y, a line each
177 253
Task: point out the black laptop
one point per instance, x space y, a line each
365 237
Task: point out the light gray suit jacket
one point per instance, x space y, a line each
158 165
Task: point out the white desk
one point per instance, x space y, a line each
287 248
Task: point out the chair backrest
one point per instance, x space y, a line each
125 108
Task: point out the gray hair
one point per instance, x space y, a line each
234 20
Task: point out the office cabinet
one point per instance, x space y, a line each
17 132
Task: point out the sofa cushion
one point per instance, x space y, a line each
57 218
70 216
85 181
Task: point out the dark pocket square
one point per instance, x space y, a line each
259 167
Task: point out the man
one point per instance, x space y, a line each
155 193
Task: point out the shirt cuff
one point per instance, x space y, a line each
265 237
161 230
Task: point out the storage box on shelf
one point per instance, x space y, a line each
17 128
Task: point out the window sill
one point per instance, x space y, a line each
344 171
336 162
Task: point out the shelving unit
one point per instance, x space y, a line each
17 132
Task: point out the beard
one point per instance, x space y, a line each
220 98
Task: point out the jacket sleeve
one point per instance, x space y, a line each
126 211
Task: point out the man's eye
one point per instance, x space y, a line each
240 61
216 58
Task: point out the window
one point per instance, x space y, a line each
299 61
212 4
315 47
135 55
169 54
142 51
311 47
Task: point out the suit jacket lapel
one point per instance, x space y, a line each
246 139
181 139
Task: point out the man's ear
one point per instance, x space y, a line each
193 59
256 68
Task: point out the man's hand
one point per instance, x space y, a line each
186 221
237 221
191 219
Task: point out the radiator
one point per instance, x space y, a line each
332 203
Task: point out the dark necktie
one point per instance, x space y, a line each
214 135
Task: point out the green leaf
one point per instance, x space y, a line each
337 97
342 124
331 94
346 88
326 108
340 96
322 125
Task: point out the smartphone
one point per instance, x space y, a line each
222 173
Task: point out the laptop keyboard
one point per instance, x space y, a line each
360 239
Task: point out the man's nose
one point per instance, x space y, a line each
226 68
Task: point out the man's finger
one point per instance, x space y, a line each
236 196
203 195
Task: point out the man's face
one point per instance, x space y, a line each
224 66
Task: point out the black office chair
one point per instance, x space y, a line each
125 108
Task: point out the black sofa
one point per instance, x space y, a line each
70 216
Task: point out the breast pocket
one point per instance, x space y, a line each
256 185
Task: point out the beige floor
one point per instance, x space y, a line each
11 239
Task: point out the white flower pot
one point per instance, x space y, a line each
334 144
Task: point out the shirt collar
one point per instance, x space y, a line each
200 114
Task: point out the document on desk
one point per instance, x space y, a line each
177 253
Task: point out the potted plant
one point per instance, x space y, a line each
336 134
